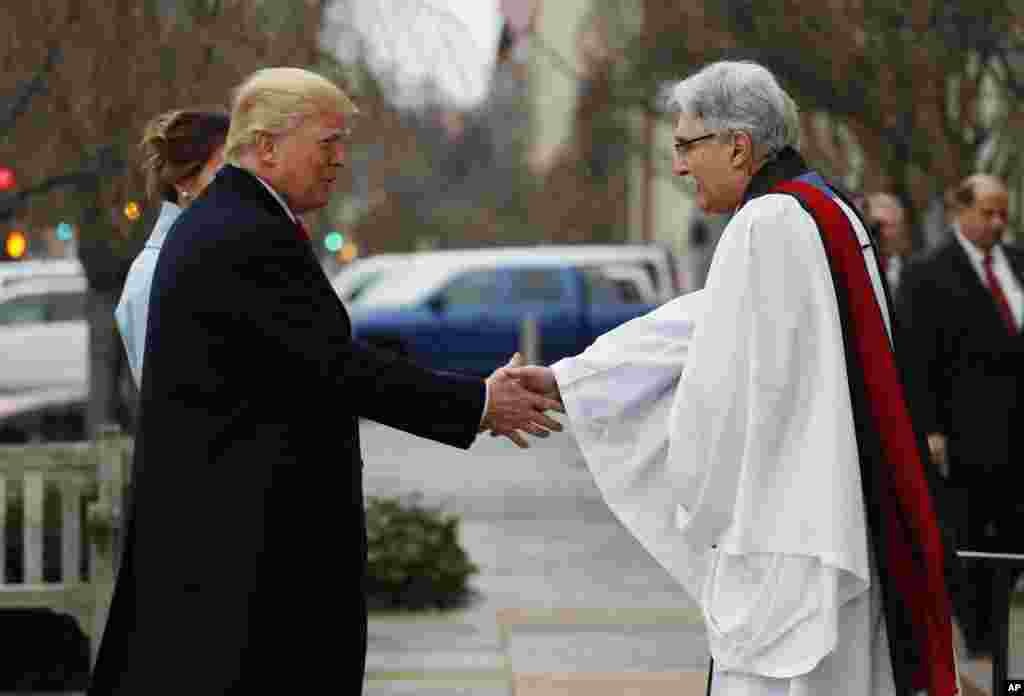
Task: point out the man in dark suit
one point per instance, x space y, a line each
887 221
245 549
962 306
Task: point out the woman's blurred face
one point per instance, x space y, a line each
209 170
190 188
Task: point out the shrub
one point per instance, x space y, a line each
414 557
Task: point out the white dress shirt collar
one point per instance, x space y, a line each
1012 288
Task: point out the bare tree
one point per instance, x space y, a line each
905 96
79 79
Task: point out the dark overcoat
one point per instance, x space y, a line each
244 555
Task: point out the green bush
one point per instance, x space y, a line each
414 557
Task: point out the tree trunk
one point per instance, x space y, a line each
108 368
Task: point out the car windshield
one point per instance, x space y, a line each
408 287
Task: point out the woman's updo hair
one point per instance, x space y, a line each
176 145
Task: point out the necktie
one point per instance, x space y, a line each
303 233
998 295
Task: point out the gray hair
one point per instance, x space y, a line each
741 96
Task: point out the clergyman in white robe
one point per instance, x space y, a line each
720 431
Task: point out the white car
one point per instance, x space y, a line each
44 335
359 275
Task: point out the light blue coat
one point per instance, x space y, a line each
133 308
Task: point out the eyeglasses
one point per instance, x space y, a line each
684 146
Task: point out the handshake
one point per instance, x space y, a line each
518 398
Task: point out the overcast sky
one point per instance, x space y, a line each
413 43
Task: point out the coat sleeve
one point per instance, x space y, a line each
277 290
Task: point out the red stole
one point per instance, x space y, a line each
913 549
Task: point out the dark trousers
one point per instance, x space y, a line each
974 523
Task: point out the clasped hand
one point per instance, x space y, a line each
518 398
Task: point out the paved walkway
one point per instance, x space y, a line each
568 603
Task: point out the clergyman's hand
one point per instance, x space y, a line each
511 407
536 378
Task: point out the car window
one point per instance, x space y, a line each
27 309
601 289
536 285
67 306
472 288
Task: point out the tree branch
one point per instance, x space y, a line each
18 104
106 162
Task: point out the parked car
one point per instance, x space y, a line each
44 336
352 280
465 310
654 262
44 340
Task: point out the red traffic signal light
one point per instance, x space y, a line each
7 180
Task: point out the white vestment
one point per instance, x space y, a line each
719 429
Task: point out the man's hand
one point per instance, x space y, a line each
536 378
512 407
937 447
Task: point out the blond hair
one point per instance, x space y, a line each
275 101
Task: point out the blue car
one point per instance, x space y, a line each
466 311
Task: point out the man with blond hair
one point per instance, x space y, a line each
247 489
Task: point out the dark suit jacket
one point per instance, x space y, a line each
966 373
245 550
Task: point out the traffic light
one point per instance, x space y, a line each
65 232
132 211
15 245
333 241
348 252
7 180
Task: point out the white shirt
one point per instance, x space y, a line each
720 431
894 265
1000 268
132 311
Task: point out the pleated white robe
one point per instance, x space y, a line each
719 429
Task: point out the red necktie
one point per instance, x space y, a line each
998 295
302 231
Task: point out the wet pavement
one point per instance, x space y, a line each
580 596
584 609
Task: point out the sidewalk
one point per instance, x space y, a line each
568 602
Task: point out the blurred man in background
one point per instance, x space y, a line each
962 307
887 221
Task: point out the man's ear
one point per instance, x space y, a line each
742 149
266 149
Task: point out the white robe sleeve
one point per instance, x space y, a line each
618 395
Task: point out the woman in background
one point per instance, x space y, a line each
182 151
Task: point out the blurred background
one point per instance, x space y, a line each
484 123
